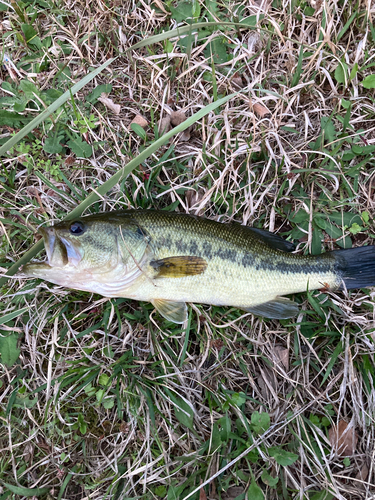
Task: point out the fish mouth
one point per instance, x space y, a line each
59 249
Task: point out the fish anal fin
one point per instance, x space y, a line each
178 267
278 308
170 310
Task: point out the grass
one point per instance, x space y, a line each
104 398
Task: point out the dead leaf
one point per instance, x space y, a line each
116 108
165 125
139 120
160 5
232 492
343 439
362 473
267 383
28 452
202 493
237 81
122 37
193 197
69 160
177 117
185 135
282 356
260 109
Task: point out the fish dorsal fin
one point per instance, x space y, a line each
279 308
172 311
178 267
272 239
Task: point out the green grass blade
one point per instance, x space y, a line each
26 492
52 108
121 174
186 30
14 314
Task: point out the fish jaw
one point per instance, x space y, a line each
61 263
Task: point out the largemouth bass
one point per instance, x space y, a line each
170 259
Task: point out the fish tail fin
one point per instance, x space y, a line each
356 266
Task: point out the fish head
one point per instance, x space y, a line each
90 253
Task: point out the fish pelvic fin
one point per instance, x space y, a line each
170 310
179 267
279 308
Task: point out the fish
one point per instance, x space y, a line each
171 259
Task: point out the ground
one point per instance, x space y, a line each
104 398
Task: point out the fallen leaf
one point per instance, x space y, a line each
139 120
185 135
237 81
122 37
116 108
202 494
233 492
267 383
165 125
193 197
177 117
282 356
69 160
260 109
343 439
362 473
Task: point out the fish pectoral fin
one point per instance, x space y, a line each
279 308
178 267
170 310
273 240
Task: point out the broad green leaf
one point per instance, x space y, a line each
137 129
329 129
316 243
183 11
268 479
26 492
9 351
98 91
25 401
10 119
100 395
260 422
108 403
238 398
369 82
283 457
29 89
80 147
322 495
103 379
254 492
218 50
31 36
341 73
183 412
344 218
52 143
355 228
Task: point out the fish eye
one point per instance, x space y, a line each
77 228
